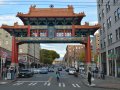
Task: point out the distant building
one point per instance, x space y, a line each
95 43
28 53
57 62
72 55
109 18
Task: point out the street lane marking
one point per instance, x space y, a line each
45 83
73 85
59 84
63 84
17 84
77 85
32 81
30 84
34 84
49 84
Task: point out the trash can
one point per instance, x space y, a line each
9 76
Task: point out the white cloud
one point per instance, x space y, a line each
91 23
9 20
59 48
1 1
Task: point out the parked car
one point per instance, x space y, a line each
25 73
67 69
50 70
59 69
43 71
36 71
72 71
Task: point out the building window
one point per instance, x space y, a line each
118 13
21 51
60 34
116 35
104 42
109 22
115 1
110 38
103 27
102 1
67 34
42 34
6 42
100 32
108 6
101 43
103 13
100 16
115 15
119 32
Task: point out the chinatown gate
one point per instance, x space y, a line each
50 25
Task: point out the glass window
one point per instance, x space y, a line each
109 5
118 13
106 7
103 13
115 16
103 27
100 16
42 34
119 32
116 34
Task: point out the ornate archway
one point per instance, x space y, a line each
51 25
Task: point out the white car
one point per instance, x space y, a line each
71 71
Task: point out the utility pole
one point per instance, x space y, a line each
34 55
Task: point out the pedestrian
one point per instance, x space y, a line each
102 75
89 77
58 75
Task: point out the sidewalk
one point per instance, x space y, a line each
108 83
2 82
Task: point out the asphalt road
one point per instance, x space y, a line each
48 82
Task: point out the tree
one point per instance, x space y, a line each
48 56
82 56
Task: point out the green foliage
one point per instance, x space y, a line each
48 56
82 56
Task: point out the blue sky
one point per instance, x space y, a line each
9 9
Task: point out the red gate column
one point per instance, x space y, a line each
86 59
88 49
28 32
73 30
16 61
13 51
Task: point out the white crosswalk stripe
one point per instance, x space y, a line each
32 84
73 85
17 84
76 85
47 84
61 84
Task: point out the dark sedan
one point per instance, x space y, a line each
43 71
25 73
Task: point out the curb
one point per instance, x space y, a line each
8 82
99 86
